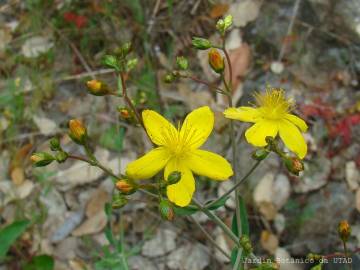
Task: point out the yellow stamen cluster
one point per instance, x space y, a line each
273 104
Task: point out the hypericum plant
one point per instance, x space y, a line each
177 148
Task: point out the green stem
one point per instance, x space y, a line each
235 186
218 221
346 255
209 237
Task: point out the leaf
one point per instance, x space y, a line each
244 220
218 204
10 233
244 229
41 262
185 211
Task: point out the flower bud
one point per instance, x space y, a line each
166 210
97 88
119 201
169 78
125 187
182 62
245 243
124 113
78 131
223 24
130 64
201 43
344 230
41 159
216 61
173 178
111 61
294 165
55 144
61 156
260 154
126 48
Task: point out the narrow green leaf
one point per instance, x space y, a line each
41 262
10 233
185 211
244 220
217 204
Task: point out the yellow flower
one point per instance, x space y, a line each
272 116
178 151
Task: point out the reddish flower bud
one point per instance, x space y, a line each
216 61
78 131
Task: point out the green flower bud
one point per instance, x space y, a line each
41 159
245 243
173 178
111 61
260 154
169 78
61 156
182 62
130 64
223 24
55 144
119 201
126 48
201 43
166 210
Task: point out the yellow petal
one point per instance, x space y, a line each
209 164
246 114
149 164
292 138
180 193
197 127
260 130
157 127
297 121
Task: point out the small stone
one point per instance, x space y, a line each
277 67
281 190
189 257
269 241
220 239
35 46
67 248
162 243
141 263
279 223
352 175
45 125
282 257
357 199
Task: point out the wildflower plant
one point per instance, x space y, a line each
177 147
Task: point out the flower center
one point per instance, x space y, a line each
179 143
273 104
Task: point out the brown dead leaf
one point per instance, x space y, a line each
240 59
269 241
97 202
21 156
92 225
17 176
219 10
